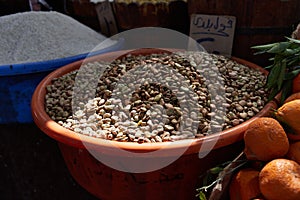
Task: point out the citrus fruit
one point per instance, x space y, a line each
289 114
244 185
294 152
293 97
265 139
280 180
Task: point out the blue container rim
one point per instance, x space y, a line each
50 65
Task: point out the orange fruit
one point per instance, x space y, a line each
294 152
244 185
293 97
280 180
296 84
265 139
289 114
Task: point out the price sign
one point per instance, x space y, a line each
215 33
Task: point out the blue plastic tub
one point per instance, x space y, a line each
18 82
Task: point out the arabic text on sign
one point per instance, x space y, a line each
213 26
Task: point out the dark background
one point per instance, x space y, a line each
31 167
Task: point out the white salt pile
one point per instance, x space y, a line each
40 36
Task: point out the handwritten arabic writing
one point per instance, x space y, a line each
214 25
213 32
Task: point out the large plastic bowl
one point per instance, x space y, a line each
175 181
18 81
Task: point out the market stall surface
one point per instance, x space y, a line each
31 167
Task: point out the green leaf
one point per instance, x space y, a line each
216 170
296 67
272 94
294 60
282 71
281 74
279 47
292 74
202 196
294 45
290 52
269 67
261 49
271 59
293 40
286 90
264 46
273 76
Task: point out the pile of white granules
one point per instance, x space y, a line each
41 36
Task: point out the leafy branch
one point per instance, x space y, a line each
223 172
284 65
